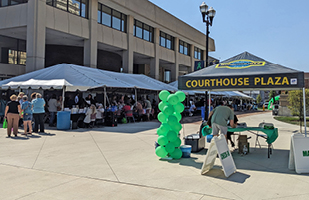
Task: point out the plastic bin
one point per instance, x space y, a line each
186 151
63 120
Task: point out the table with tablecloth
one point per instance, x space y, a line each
271 134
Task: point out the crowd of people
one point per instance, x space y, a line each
21 110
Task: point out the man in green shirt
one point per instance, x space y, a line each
219 118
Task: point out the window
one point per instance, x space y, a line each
4 3
167 76
166 41
184 48
13 51
143 31
198 53
111 18
76 7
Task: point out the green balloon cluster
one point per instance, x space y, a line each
170 115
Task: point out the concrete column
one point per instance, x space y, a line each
91 44
36 34
127 57
191 68
204 57
155 62
175 67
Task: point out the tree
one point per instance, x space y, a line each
271 95
258 99
296 104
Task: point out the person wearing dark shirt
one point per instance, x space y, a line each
12 111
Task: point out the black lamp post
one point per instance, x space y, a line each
208 16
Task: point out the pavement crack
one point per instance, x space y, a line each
104 157
38 154
55 186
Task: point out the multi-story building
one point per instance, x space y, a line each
133 36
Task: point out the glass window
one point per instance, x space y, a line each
198 53
61 4
143 31
13 51
4 3
166 40
84 9
111 18
77 7
106 16
139 29
99 15
74 7
117 20
184 48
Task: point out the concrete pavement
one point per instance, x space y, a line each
120 163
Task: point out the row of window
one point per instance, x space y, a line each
4 3
117 20
111 18
77 7
12 51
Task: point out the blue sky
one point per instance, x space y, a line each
275 30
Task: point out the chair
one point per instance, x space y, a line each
129 114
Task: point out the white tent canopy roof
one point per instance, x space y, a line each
73 77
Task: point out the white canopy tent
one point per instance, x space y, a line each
71 77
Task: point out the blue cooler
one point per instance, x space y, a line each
63 120
186 151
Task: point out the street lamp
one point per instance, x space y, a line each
208 16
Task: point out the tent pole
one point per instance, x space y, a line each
209 102
304 100
63 93
135 93
205 104
104 97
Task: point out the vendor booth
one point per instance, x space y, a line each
246 72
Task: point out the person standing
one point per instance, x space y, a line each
12 111
52 108
38 113
26 108
219 119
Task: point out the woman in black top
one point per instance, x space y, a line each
12 111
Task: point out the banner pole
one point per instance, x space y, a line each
304 100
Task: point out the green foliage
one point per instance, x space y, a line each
296 101
258 98
296 105
271 95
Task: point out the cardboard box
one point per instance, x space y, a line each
242 138
241 147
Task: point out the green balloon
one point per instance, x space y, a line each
169 147
160 131
163 95
168 110
177 142
176 154
165 127
161 152
172 120
162 118
162 140
179 107
181 96
162 104
171 136
173 99
177 115
176 127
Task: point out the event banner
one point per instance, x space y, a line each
292 80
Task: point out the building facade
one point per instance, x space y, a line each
116 35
